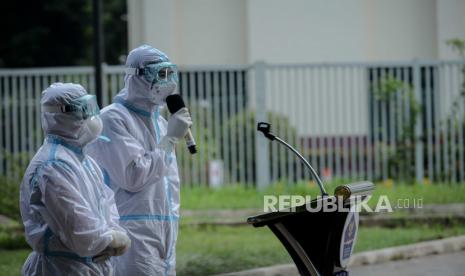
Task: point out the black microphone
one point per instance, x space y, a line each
174 103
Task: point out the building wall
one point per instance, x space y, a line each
191 32
450 24
244 31
335 31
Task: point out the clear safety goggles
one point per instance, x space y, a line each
160 73
83 107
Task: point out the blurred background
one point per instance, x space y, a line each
364 89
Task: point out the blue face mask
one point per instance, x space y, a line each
83 107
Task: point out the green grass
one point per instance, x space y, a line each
216 249
210 250
238 197
11 261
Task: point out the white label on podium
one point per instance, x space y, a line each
349 236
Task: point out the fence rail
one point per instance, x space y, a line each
394 120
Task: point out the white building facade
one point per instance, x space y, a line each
217 32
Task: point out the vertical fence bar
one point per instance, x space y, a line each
250 128
274 96
399 110
460 143
429 123
384 126
187 167
352 99
30 115
452 118
461 89
367 146
322 89
308 91
8 127
241 126
190 88
105 85
297 102
330 130
283 155
444 122
419 125
216 115
336 133
2 124
232 130
224 116
375 85
261 147
209 149
437 126
289 134
391 140
359 143
15 126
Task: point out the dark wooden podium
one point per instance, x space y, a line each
320 243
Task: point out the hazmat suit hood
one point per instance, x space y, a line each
137 90
66 126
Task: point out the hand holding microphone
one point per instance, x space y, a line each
180 121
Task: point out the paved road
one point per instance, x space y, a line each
445 265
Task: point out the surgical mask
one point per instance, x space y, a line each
159 92
93 128
82 108
95 125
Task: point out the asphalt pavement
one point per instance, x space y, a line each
452 264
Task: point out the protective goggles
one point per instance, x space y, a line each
160 73
83 107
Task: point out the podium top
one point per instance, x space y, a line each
362 189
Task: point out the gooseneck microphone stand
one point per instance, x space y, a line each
265 129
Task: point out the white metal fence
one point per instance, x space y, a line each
402 120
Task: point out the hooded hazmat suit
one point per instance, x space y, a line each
142 173
69 215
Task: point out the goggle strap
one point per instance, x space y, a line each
134 71
59 108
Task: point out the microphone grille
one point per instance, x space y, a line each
174 103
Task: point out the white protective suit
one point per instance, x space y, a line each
142 173
68 213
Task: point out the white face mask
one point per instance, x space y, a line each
159 92
94 128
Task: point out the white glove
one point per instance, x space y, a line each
117 247
120 243
179 123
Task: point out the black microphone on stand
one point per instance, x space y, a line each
174 103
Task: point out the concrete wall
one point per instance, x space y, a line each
244 31
450 24
191 32
335 31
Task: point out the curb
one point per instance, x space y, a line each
405 252
366 221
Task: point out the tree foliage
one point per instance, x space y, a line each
58 33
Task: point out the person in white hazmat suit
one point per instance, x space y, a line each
140 164
69 214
